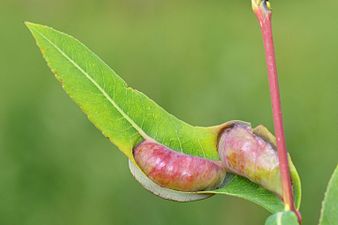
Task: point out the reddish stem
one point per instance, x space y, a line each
263 13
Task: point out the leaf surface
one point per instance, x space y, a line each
329 214
126 116
123 114
282 218
241 187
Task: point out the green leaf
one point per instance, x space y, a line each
329 214
282 218
126 116
123 114
243 188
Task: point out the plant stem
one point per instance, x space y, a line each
263 12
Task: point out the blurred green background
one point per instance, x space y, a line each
203 61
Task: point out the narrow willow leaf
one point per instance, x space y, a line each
282 218
123 114
126 116
329 214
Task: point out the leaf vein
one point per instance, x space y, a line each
106 95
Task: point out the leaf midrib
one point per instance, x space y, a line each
105 94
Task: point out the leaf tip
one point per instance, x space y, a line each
30 25
34 26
